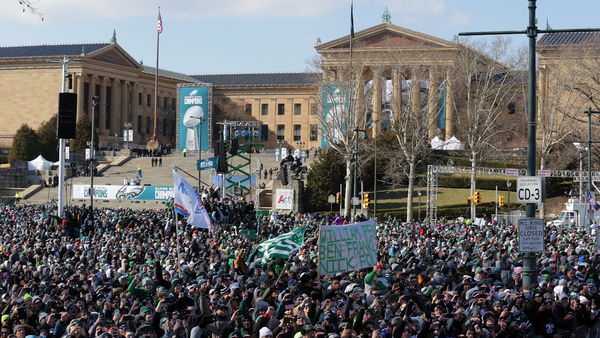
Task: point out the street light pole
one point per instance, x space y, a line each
508 184
200 151
356 130
95 107
419 193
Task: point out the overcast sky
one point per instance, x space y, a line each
262 36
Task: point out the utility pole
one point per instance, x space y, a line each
529 262
92 153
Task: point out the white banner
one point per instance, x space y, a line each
347 247
125 135
130 135
285 199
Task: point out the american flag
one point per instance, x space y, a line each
159 23
589 199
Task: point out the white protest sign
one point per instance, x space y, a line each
347 247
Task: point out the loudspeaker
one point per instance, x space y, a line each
234 146
67 115
222 160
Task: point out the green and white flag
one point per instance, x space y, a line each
282 245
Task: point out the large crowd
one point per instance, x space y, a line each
121 274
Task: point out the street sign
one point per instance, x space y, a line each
531 235
331 199
511 172
355 201
529 189
544 173
590 214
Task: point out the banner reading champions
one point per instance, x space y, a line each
124 192
347 247
194 104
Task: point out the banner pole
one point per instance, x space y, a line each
177 233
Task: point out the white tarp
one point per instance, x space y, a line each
40 163
437 143
454 144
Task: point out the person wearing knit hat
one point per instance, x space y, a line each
265 333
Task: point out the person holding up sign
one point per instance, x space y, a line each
375 279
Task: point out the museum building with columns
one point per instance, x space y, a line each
31 79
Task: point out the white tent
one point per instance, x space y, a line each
454 144
40 163
437 143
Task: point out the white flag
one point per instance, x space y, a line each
188 203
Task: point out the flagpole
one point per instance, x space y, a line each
154 137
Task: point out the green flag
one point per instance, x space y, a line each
282 245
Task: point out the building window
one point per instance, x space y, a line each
158 102
165 103
281 132
297 132
313 109
148 124
314 131
281 109
297 109
139 99
139 125
148 100
248 108
264 109
164 126
264 132
173 104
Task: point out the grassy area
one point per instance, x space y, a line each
396 198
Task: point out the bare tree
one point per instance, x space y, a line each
342 108
483 88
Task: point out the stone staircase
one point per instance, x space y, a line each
116 172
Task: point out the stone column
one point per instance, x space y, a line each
376 102
396 94
92 93
115 104
80 91
360 102
415 95
134 109
432 105
124 105
449 110
543 92
102 105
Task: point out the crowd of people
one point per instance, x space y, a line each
135 273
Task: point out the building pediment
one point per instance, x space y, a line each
114 54
386 35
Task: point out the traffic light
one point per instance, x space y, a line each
477 197
501 203
492 203
365 201
337 198
469 200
